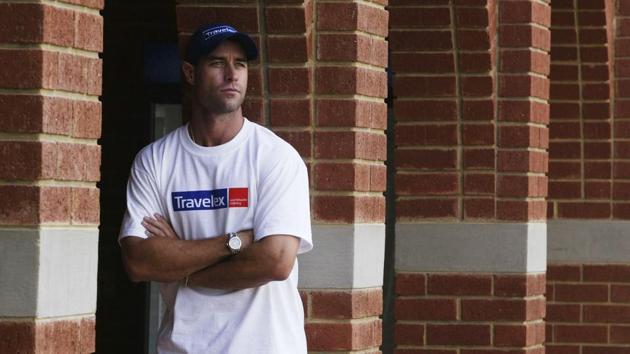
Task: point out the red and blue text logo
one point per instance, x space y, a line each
210 199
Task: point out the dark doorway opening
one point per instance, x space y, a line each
137 34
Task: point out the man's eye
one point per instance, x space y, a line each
216 63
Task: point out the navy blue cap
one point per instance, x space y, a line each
208 37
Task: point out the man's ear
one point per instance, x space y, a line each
189 72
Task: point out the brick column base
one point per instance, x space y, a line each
75 335
470 313
343 320
587 308
588 287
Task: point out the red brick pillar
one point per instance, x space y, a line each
589 266
471 90
50 118
288 69
320 83
348 177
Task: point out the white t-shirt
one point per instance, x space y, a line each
257 181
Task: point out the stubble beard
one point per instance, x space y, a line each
219 106
229 107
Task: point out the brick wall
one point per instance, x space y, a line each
445 110
440 312
470 144
470 104
587 309
619 29
580 166
49 121
320 84
288 73
588 262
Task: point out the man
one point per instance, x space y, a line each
217 211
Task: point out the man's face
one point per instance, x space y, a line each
221 78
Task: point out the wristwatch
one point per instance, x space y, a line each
233 243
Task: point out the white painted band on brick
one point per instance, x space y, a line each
344 257
19 253
467 247
579 241
48 272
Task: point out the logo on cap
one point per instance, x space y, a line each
211 32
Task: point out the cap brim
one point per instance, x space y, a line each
251 51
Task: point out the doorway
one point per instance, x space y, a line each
139 83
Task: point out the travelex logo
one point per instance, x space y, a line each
210 200
211 32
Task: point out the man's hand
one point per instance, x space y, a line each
158 226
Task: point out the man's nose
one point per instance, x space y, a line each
230 72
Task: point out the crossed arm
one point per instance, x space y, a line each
208 263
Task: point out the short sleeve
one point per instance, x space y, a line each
283 205
142 200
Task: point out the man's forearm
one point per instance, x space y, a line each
270 259
166 259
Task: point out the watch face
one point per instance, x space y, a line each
235 243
